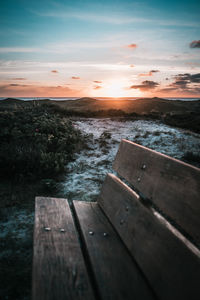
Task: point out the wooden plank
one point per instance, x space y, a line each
171 265
117 276
173 186
59 271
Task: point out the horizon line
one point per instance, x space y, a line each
92 97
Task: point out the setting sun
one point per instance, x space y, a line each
116 89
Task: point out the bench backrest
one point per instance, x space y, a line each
173 186
170 262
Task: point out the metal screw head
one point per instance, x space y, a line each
47 228
138 179
91 232
144 167
62 230
127 208
105 234
121 221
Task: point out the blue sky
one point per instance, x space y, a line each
99 48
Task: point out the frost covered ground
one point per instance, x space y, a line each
86 174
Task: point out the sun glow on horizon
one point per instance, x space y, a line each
116 88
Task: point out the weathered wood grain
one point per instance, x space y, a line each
117 275
59 272
172 269
173 186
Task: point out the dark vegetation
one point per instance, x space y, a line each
189 120
15 266
37 142
183 114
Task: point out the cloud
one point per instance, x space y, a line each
132 66
146 85
91 16
75 77
110 67
195 44
20 85
64 47
117 19
184 83
131 46
97 87
154 71
185 79
19 90
54 71
97 81
144 74
195 91
18 78
150 73
17 68
18 50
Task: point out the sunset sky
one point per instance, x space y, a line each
99 48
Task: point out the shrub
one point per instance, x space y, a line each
36 143
104 138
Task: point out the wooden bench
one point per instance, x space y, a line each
139 241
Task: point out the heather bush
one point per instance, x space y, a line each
36 143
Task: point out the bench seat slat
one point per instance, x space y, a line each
172 269
117 275
59 271
173 186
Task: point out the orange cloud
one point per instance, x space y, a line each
75 77
131 46
150 73
97 81
22 90
54 71
16 84
19 78
132 66
97 87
